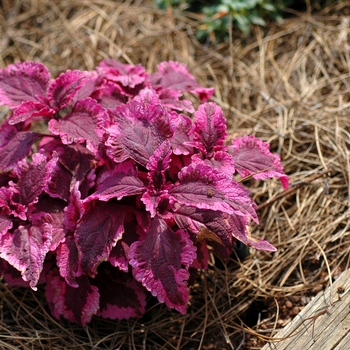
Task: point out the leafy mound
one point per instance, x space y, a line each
122 192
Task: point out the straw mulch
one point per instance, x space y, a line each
288 84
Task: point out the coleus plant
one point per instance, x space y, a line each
112 185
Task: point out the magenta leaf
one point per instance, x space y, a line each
206 188
125 74
118 183
118 256
160 261
60 182
225 227
5 224
183 135
70 85
210 128
175 76
49 210
74 210
67 257
82 123
253 157
158 164
25 249
206 224
30 109
33 177
220 160
98 230
17 148
75 304
202 258
120 295
22 82
9 203
138 130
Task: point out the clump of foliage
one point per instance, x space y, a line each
217 15
109 189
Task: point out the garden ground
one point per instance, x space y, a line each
288 84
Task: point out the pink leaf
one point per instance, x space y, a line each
138 130
210 128
158 164
253 157
25 249
182 135
9 203
220 160
70 85
175 76
206 188
22 82
121 297
99 229
74 210
82 124
5 224
75 304
29 109
118 256
51 210
160 261
125 74
67 257
33 177
224 226
202 258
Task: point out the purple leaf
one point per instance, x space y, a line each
183 135
17 148
25 249
74 210
67 258
206 224
138 130
157 165
210 128
29 109
70 86
51 210
220 160
5 224
206 188
82 124
98 230
22 82
13 277
171 99
118 256
59 184
175 76
9 203
75 304
7 132
125 74
202 258
252 156
33 177
118 183
224 226
160 261
120 295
